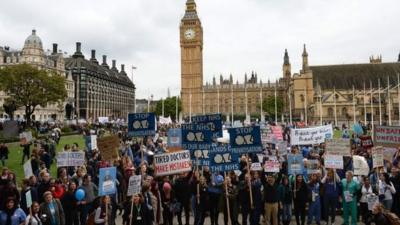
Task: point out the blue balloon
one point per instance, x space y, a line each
80 194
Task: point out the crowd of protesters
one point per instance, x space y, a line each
259 197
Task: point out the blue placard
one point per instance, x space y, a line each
141 124
107 178
174 138
200 157
214 121
196 136
295 164
223 159
245 139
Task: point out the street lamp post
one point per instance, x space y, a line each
134 96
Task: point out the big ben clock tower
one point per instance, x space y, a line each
191 41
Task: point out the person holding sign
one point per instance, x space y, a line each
331 182
349 198
386 191
300 194
33 218
138 215
12 214
102 215
314 208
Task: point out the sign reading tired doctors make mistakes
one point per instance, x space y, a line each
245 139
172 163
141 124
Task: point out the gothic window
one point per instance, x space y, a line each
330 112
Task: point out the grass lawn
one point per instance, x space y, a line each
14 158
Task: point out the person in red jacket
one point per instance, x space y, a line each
57 189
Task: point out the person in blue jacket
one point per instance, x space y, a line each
12 214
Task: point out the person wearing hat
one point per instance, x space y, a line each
51 211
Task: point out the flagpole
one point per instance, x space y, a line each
261 103
276 106
389 110
365 107
320 105
372 111
334 105
354 106
379 99
218 100
232 103
162 103
203 103
135 106
305 106
245 99
176 108
290 105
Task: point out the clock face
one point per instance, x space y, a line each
189 34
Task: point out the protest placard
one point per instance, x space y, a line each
107 177
339 146
76 158
281 146
214 121
310 136
256 167
272 166
372 199
28 169
172 163
245 139
333 161
223 160
135 185
366 141
25 137
360 165
108 147
377 156
174 141
388 153
277 132
28 197
312 167
141 124
103 119
93 142
196 136
387 136
295 164
62 159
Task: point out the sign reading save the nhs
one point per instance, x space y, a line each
245 139
141 124
196 136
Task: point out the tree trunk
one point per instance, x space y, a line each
28 113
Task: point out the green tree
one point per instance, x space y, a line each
269 106
30 87
169 107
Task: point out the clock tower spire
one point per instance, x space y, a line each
191 42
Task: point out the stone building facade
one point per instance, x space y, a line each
101 90
33 54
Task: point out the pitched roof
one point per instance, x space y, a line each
346 75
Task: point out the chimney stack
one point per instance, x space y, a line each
113 63
55 51
93 58
105 62
123 67
78 53
78 47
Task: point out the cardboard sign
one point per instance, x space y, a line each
28 197
174 141
25 137
277 132
387 135
295 164
256 167
388 153
339 146
107 178
372 199
312 167
214 121
172 163
377 157
108 147
135 185
164 120
271 166
65 159
141 124
245 139
360 165
310 136
333 161
366 141
28 169
196 136
281 146
93 142
267 136
223 160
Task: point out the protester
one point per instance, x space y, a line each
285 201
33 217
103 212
12 214
366 192
3 153
138 215
70 205
51 210
386 191
300 194
331 186
349 199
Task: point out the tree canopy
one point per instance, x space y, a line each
269 106
29 87
169 107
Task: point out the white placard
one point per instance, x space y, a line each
65 159
334 161
93 142
134 185
360 165
310 136
377 157
28 169
271 166
338 146
172 163
256 167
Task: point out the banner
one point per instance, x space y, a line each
28 169
272 166
366 141
312 167
339 146
333 161
223 160
295 164
245 140
174 140
310 136
360 165
172 163
377 157
214 121
107 178
164 120
65 159
93 142
388 153
135 185
141 124
25 137
108 147
103 120
387 135
196 136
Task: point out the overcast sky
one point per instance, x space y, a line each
239 35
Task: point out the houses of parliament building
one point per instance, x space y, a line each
335 93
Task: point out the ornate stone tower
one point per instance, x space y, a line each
286 68
191 41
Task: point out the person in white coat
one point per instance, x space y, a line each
386 191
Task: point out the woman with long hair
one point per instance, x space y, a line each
156 202
386 191
138 215
34 217
285 200
70 205
300 195
102 215
12 214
